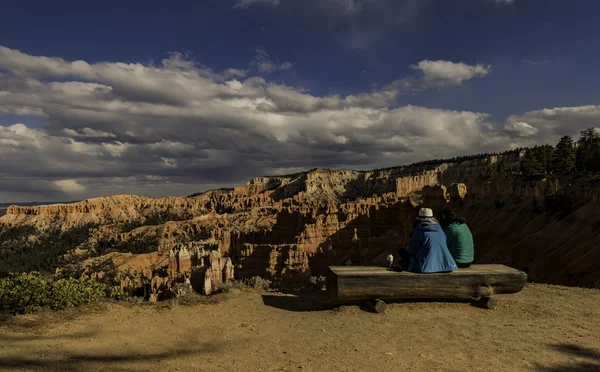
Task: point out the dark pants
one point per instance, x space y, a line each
464 265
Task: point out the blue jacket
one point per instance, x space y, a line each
428 250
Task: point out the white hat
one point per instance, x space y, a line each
425 212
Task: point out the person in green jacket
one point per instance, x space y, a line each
458 237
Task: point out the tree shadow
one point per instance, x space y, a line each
6 338
592 356
114 361
46 317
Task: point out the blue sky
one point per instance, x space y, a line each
553 32
532 55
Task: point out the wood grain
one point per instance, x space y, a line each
349 283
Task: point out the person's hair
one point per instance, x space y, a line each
446 217
416 222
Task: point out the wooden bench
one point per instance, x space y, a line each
375 284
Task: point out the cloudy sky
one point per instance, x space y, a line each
170 98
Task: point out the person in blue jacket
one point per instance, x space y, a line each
427 250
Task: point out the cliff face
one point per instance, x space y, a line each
288 228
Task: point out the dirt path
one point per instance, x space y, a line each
543 328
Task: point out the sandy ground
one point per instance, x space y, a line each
542 328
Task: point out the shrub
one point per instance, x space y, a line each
322 281
136 299
258 283
552 187
229 285
137 244
26 293
45 253
318 283
162 217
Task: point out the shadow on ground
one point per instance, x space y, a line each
301 301
47 318
33 358
591 356
6 338
318 301
83 362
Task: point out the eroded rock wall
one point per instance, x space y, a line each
288 228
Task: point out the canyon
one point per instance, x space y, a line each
289 228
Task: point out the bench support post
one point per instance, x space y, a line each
488 302
376 306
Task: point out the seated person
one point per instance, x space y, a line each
427 251
458 237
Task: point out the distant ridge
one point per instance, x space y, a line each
3 206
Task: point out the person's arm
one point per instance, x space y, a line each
413 244
448 240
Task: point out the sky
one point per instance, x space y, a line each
172 98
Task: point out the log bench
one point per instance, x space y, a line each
374 284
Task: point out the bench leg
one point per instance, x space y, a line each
376 306
488 302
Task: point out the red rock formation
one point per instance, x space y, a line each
287 228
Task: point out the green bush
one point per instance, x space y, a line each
45 253
258 283
552 187
318 283
229 285
137 244
26 293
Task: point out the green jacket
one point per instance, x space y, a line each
460 242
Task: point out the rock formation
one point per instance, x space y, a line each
289 228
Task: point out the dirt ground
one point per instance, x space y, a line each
542 328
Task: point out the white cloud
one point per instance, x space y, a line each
506 2
555 122
179 128
243 4
69 186
446 73
263 62
520 128
88 133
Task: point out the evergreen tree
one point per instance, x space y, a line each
563 159
548 154
587 156
531 166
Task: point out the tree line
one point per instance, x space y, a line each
568 157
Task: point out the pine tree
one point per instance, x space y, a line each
587 156
531 166
548 154
563 158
